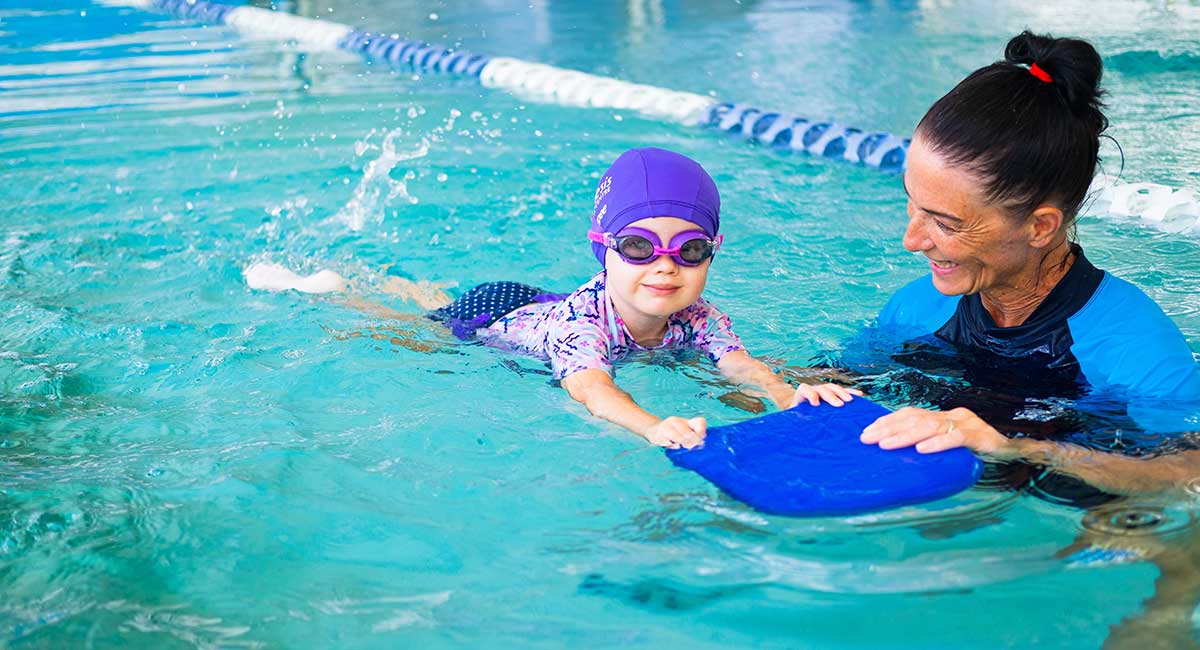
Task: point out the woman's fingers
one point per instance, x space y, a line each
905 428
939 443
934 431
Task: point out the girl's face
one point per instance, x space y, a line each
643 292
973 246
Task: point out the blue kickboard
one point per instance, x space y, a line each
807 461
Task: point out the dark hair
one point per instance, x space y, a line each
1030 141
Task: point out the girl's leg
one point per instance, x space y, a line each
427 295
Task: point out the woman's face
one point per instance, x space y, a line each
973 246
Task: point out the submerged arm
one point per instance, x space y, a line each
595 389
741 368
933 431
1110 472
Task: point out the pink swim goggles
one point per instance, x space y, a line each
640 246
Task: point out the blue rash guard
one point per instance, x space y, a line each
1095 363
1093 334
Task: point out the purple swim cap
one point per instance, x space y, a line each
651 182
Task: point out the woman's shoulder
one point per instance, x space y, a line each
918 308
1121 337
1119 307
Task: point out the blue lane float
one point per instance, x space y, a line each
413 55
776 130
202 11
880 150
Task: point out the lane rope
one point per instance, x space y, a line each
550 84
1158 205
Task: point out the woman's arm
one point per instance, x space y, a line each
741 368
933 431
595 389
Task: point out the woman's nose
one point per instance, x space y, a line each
915 239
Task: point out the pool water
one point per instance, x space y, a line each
186 462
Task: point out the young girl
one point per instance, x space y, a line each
654 230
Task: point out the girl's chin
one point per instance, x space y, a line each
661 305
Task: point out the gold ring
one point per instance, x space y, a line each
949 426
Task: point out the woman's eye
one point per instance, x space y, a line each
943 227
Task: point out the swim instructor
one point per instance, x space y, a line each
997 171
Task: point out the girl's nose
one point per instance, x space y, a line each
664 264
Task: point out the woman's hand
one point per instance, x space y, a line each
676 432
933 431
816 393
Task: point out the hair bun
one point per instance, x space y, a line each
1073 65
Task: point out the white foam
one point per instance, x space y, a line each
275 277
1161 206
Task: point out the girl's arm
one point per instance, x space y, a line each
741 368
595 389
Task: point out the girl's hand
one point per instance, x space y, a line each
933 431
676 432
816 393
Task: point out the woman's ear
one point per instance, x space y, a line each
1044 224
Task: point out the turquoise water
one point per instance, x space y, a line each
185 462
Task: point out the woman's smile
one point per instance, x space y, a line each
942 267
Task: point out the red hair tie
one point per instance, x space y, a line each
1040 73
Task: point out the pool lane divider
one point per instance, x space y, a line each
775 130
1159 206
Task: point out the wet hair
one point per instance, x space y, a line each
1031 142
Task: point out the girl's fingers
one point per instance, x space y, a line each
809 393
846 394
834 394
678 433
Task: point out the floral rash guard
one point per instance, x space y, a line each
583 331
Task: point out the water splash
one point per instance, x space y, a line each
377 188
275 277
